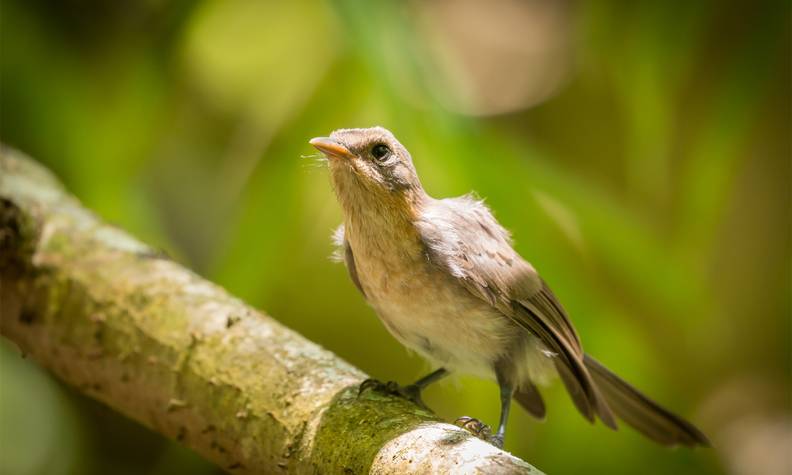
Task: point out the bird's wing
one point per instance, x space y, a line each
343 253
462 236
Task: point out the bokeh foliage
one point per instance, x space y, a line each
640 154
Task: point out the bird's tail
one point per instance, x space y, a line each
640 412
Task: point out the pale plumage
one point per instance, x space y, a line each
443 277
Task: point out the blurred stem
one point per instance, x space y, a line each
133 329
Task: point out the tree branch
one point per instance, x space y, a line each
135 330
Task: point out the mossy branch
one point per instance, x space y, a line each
137 331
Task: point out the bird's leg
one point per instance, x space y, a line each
483 431
411 391
506 391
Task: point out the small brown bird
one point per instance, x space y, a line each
446 282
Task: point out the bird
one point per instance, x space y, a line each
446 282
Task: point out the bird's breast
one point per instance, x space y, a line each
428 310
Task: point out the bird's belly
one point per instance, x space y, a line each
439 319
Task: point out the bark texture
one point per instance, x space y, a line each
126 325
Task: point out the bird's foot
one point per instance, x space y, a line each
480 430
411 392
496 440
474 426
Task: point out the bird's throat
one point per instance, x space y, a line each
379 223
381 228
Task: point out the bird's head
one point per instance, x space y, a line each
370 166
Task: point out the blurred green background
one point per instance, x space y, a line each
640 153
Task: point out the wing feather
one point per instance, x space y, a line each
462 236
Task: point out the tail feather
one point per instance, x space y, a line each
574 390
640 412
530 399
584 392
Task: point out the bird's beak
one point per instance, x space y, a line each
330 147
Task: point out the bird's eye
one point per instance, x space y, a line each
380 151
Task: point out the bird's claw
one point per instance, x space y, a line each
480 430
474 426
410 392
370 383
496 440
